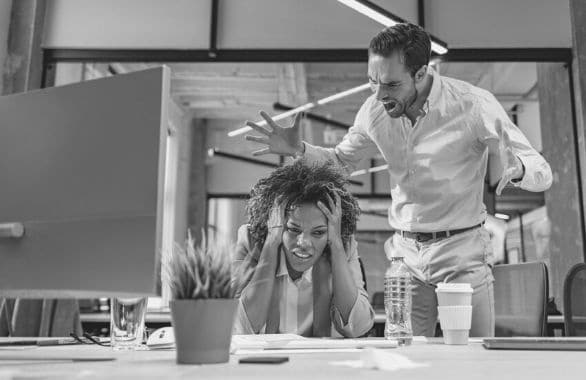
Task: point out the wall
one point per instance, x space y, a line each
5 8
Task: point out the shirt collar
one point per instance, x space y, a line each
282 270
434 93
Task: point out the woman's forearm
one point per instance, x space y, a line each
344 287
257 294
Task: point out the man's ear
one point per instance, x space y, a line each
420 74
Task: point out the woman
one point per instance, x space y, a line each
305 276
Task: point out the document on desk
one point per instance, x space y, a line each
298 342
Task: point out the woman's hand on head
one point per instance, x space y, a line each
276 222
333 213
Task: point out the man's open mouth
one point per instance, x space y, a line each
390 106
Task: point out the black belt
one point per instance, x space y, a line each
425 236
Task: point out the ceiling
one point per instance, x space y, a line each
237 91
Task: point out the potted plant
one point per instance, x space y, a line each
203 304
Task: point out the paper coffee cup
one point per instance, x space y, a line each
453 337
454 294
455 322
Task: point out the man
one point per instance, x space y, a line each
435 134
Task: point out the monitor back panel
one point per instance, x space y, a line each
82 167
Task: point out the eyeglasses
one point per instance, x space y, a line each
89 339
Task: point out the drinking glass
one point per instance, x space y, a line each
127 322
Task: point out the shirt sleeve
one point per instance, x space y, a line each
361 318
354 147
240 264
537 176
241 261
242 324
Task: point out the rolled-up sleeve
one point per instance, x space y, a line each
361 318
537 176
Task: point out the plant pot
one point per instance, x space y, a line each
203 329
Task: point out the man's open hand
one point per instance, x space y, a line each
278 140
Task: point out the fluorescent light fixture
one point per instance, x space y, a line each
371 170
386 18
304 107
501 216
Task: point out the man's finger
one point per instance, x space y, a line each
258 128
260 152
258 139
500 187
269 120
506 138
297 120
502 183
498 126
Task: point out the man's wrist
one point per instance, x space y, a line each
300 151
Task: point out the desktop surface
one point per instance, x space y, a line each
441 362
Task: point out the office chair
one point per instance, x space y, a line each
363 272
575 301
520 299
39 317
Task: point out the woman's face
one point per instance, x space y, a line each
304 238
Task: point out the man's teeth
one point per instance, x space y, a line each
390 106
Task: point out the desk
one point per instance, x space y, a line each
165 317
92 321
444 362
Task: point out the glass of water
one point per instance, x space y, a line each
127 322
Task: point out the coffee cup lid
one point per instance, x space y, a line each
454 287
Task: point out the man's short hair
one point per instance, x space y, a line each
407 39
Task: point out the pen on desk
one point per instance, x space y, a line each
19 343
56 342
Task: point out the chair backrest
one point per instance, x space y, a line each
363 272
378 301
575 301
39 317
520 299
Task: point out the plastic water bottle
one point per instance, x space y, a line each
398 302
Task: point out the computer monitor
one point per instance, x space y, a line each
82 168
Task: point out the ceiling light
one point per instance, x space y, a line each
386 18
302 108
370 170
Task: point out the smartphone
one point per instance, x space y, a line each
264 360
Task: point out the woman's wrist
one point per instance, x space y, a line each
337 248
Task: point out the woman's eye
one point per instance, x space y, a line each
293 230
319 233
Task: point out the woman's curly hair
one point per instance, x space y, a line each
299 183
